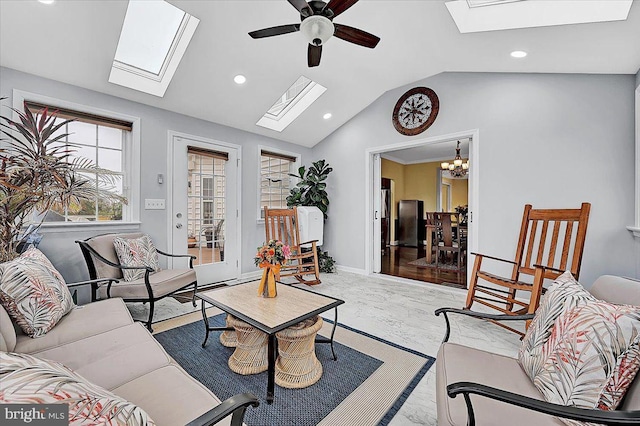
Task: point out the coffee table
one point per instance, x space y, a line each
269 315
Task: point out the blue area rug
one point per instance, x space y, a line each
295 407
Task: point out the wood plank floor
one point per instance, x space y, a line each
395 261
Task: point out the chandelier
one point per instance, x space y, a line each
456 168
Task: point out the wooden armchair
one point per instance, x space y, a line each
556 255
102 262
282 224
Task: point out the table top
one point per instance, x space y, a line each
269 315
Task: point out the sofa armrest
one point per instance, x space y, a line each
474 314
614 417
234 406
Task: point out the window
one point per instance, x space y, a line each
275 182
107 142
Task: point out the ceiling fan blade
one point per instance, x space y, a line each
356 36
339 6
302 6
274 31
313 57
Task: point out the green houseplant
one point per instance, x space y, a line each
39 173
311 191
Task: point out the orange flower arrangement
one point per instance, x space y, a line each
270 257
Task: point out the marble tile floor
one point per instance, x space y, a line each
402 312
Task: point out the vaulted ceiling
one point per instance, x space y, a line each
75 42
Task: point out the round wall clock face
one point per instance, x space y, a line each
415 111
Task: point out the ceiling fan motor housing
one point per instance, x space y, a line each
317 29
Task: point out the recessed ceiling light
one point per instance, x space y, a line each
327 116
518 54
47 1
240 79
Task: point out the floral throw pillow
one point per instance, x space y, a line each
593 355
26 379
34 293
136 252
563 294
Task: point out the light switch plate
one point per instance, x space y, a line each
154 204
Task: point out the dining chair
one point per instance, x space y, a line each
448 241
282 225
551 242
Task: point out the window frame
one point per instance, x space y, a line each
131 163
295 165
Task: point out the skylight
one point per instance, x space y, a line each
154 37
512 14
297 98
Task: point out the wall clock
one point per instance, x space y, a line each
415 111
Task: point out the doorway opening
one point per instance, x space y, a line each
406 189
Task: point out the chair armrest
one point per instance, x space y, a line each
235 406
96 281
474 314
494 258
582 414
309 242
190 256
549 268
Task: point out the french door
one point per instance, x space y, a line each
204 207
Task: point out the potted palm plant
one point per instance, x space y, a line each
39 173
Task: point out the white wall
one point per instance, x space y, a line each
550 140
155 123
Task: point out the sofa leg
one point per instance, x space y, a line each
150 316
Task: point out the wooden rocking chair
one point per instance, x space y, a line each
282 224
532 262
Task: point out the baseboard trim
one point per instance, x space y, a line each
351 270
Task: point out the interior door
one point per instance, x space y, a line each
204 208
377 214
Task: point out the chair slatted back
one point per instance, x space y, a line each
281 224
567 227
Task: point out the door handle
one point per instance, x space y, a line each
178 225
375 215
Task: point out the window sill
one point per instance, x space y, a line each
60 227
635 231
260 221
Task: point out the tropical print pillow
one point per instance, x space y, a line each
26 379
593 355
136 252
34 293
565 293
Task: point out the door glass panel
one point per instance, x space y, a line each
206 208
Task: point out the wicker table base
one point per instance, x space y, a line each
297 366
228 338
250 356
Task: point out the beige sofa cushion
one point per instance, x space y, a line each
162 283
82 322
112 358
456 363
627 290
7 331
170 396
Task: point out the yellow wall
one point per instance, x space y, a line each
419 182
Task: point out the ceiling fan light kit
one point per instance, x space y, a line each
317 27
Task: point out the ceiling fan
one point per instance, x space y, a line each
317 26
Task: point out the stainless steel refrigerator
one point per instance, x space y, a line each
410 222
